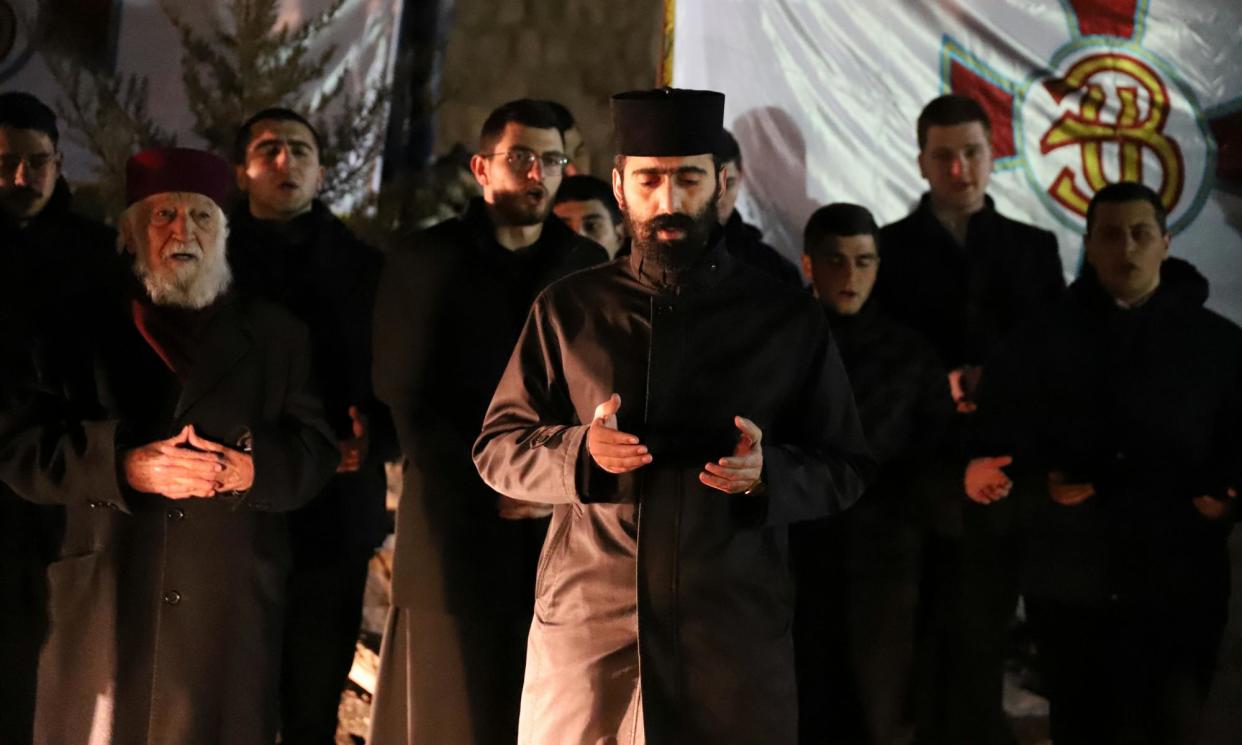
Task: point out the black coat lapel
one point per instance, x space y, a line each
225 342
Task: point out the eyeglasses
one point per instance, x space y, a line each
36 163
521 161
162 216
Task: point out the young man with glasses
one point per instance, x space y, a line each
48 258
450 305
46 251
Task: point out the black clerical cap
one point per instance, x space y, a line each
667 121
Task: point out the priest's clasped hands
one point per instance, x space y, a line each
186 465
621 452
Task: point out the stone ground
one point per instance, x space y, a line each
355 710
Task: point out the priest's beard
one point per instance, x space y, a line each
192 284
678 254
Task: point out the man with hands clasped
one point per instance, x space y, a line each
165 598
678 409
186 466
1115 415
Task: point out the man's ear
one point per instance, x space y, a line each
722 175
618 192
319 180
478 169
125 234
808 272
240 178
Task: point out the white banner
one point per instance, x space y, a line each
823 98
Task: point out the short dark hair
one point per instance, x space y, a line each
948 110
276 114
525 111
21 110
837 219
1128 191
728 149
584 188
564 117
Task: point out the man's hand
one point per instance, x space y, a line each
1215 508
173 468
1068 494
614 451
516 509
985 482
962 384
354 450
741 471
238 472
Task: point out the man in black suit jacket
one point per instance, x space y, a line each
448 312
964 275
48 255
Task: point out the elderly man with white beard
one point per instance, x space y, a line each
172 428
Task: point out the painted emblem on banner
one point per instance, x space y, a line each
1106 109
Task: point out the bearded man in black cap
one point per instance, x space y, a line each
171 427
679 410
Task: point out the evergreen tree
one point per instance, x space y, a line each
248 62
107 115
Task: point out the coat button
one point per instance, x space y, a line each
172 597
176 514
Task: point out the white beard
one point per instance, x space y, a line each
192 286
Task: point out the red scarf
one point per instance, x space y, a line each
172 333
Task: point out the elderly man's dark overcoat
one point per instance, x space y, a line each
164 614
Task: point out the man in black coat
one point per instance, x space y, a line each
679 409
858 574
173 423
1121 409
450 306
742 239
964 275
48 258
287 247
